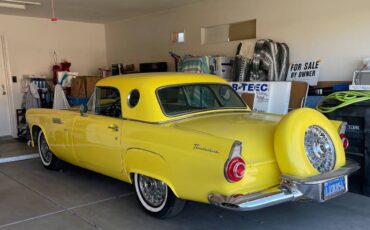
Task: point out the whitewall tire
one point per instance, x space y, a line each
48 159
156 198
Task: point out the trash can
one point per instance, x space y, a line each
357 117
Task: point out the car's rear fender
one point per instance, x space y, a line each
190 162
147 163
339 125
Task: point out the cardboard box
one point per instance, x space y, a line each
269 97
90 84
298 94
78 88
272 97
248 98
83 86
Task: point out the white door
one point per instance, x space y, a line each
5 122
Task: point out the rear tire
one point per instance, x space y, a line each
48 159
156 198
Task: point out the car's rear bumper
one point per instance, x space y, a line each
291 189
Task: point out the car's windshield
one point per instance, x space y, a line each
182 99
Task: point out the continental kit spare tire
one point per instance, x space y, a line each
307 144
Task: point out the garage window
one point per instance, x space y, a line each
178 37
229 32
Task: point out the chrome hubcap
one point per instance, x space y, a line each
319 149
153 191
44 150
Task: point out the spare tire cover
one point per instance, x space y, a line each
289 142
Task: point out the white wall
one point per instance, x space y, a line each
335 31
32 41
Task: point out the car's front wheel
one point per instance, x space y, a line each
48 159
156 198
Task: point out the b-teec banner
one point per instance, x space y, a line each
305 71
269 97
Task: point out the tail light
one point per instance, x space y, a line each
235 165
342 135
345 141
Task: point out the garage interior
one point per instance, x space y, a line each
279 56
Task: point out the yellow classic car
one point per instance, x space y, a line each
179 137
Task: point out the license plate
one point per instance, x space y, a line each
334 187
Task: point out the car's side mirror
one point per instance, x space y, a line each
83 109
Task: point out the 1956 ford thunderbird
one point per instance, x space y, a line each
179 137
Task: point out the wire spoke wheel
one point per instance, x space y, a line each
45 152
153 191
319 149
48 159
156 197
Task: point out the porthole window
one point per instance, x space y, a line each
133 98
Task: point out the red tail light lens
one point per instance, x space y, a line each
235 169
345 141
342 135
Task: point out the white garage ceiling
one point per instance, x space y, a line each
99 11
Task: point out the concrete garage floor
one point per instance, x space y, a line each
32 197
10 147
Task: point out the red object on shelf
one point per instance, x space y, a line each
56 68
65 66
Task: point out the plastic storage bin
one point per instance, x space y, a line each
77 101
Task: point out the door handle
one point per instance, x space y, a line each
57 120
114 128
4 91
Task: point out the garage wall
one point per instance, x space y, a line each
32 41
335 32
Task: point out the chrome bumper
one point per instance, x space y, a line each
291 189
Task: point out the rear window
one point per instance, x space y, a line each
177 100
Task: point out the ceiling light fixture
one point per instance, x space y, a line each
53 17
16 4
22 2
12 6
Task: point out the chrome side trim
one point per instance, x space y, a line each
188 116
133 148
